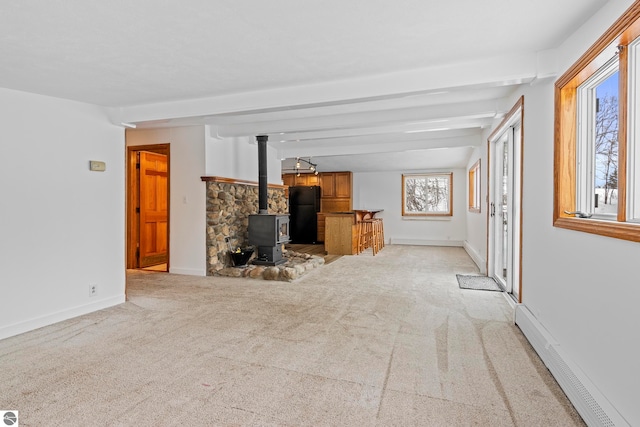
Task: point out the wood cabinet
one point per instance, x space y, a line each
342 184
335 191
321 226
333 184
336 184
341 234
328 184
290 179
312 179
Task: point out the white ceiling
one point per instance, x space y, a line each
357 85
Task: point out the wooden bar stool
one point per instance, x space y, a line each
370 235
358 244
365 235
381 232
377 235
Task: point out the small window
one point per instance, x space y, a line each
474 187
428 194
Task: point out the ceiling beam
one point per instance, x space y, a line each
334 149
301 128
485 72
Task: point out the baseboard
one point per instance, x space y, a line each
592 405
475 256
187 271
422 242
50 319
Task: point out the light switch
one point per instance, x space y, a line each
97 166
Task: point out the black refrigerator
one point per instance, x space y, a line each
304 204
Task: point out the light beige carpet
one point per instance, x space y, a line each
388 340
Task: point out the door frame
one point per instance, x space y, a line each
515 115
133 200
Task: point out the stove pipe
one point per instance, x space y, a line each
263 202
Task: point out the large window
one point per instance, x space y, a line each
597 143
428 194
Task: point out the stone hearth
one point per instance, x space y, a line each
229 204
297 264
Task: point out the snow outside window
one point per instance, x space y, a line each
597 144
427 194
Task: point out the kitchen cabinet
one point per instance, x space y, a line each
291 180
342 184
341 237
335 192
321 226
336 184
328 184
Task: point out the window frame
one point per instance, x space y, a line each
585 143
426 175
633 150
621 34
475 183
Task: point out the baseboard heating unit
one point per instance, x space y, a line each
592 406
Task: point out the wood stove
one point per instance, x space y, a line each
267 232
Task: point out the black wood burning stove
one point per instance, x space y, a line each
267 232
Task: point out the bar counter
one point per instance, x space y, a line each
341 233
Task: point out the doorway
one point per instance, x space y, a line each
505 203
148 207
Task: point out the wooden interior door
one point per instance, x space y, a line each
153 208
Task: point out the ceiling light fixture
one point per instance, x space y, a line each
313 167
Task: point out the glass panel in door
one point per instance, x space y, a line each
503 238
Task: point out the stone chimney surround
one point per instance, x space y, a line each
229 204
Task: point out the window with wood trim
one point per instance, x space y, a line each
597 142
427 194
474 187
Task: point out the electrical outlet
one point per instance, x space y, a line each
93 290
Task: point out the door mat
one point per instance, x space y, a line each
479 283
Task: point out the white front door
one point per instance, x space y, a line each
504 208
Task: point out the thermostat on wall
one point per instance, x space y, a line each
97 166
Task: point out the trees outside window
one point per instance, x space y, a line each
606 150
597 136
597 167
427 194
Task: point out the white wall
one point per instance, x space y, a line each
583 289
373 190
61 225
476 240
194 154
238 158
187 239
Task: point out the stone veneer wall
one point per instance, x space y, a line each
228 208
